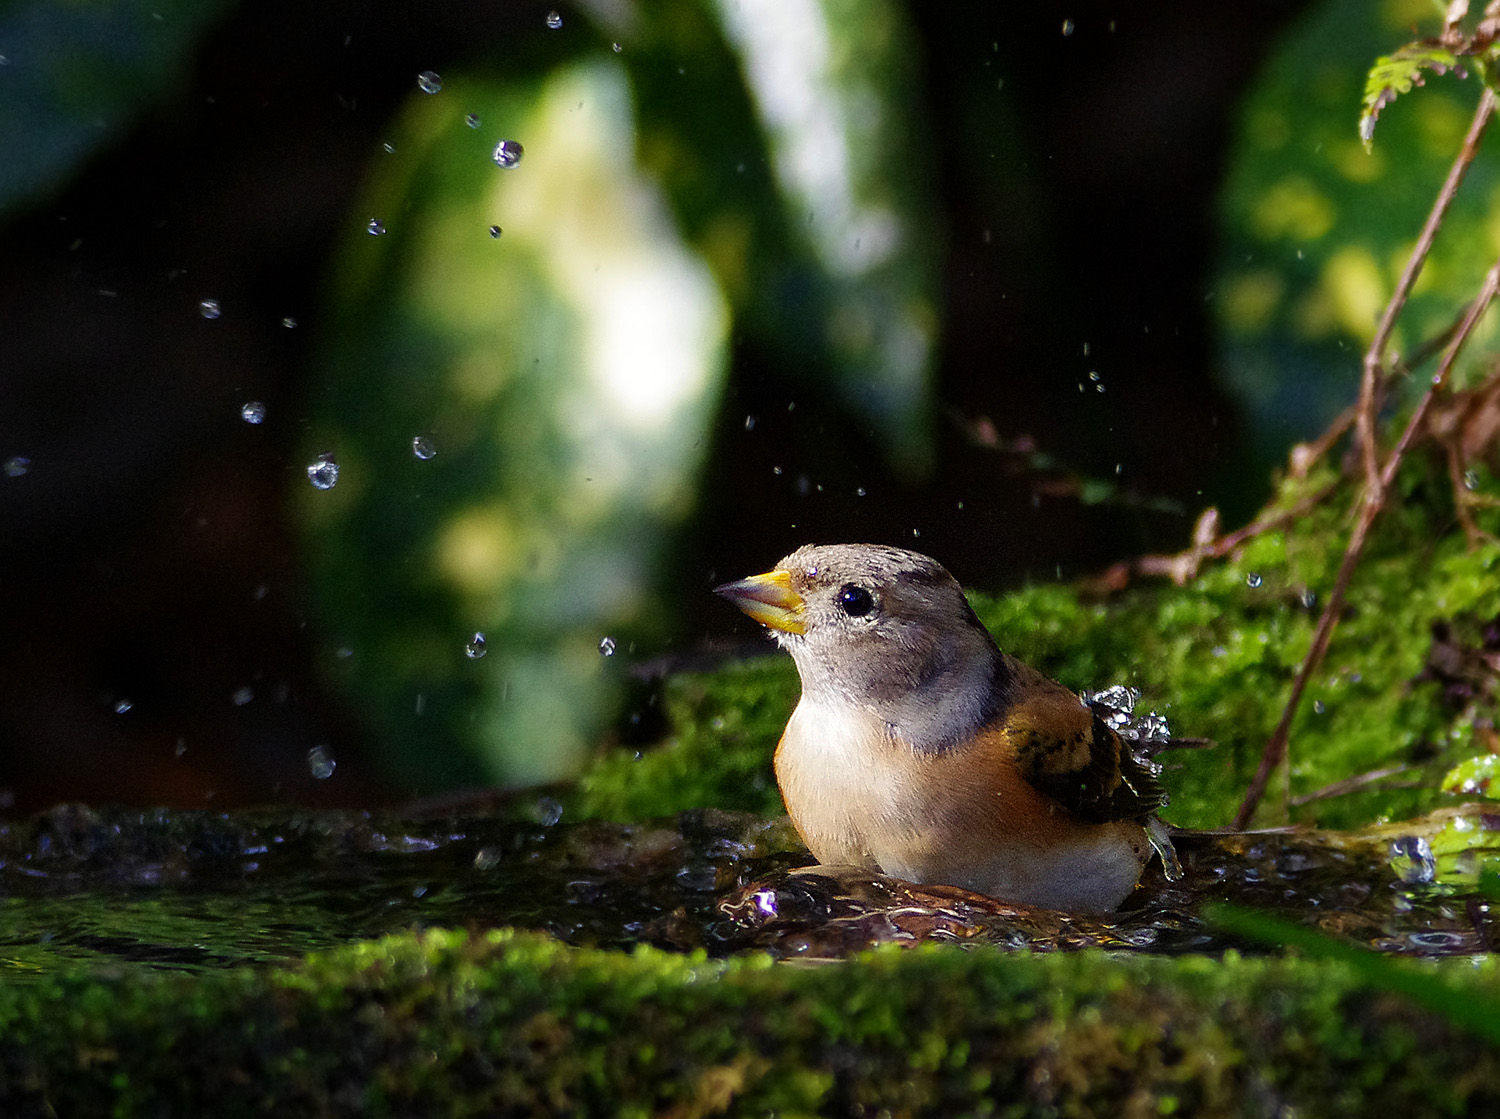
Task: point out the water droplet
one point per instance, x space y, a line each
179 749
1319 707
320 763
1308 598
289 322
208 308
324 473
390 149
376 227
607 647
1252 580
17 466
507 154
1067 27
776 470
423 447
122 706
548 811
495 232
1471 479
242 696
1412 859
253 412
554 20
429 82
487 858
749 423
617 47
860 492
472 120
475 648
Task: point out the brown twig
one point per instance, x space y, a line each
1370 505
1372 380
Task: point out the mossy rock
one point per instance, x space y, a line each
452 1024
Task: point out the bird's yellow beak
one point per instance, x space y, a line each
769 599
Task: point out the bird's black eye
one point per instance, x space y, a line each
855 601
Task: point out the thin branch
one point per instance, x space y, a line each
1371 504
1372 381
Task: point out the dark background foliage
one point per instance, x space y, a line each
149 556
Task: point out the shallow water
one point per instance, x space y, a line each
113 890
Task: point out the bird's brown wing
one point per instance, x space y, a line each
1063 749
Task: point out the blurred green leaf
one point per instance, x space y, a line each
74 75
562 374
1474 777
691 164
803 183
1479 1013
1316 230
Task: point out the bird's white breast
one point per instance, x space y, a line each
827 767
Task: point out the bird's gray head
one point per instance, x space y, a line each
882 628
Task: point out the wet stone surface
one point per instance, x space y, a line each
111 890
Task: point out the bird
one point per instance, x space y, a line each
920 750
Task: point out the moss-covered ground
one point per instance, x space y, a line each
449 1024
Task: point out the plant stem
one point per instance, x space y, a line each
1372 381
1370 505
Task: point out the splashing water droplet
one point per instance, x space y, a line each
423 447
209 308
324 473
375 227
1471 479
17 466
507 154
749 423
1412 859
390 149
554 20
475 648
495 232
1067 27
607 647
617 47
320 763
1252 580
253 412
289 322
122 706
472 120
428 81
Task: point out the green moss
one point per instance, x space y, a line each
445 1023
724 730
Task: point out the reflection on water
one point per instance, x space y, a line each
113 890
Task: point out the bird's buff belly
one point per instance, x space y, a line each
885 807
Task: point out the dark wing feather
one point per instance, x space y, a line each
1066 751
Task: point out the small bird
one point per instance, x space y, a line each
920 750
